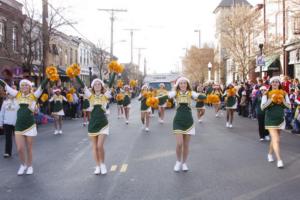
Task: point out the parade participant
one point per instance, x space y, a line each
162 101
231 104
217 103
263 132
273 103
25 128
183 123
120 99
98 127
8 116
145 110
57 111
200 104
126 102
86 110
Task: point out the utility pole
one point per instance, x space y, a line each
145 67
112 19
131 42
45 35
199 31
139 55
284 38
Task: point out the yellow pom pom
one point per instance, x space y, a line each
73 70
120 97
69 97
120 83
44 97
51 73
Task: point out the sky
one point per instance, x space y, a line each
165 28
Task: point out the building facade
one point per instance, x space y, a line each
11 22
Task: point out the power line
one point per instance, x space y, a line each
69 23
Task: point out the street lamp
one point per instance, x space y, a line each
209 65
260 59
90 70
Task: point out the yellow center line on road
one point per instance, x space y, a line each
113 168
123 168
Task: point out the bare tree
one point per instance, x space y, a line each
31 33
101 59
238 29
196 61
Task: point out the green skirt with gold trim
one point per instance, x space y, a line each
25 121
85 104
199 104
126 101
183 122
274 117
98 123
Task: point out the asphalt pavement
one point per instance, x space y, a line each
224 163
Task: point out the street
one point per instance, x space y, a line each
224 163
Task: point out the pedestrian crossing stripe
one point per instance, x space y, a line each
113 168
123 168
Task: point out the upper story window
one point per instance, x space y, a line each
297 24
14 39
2 32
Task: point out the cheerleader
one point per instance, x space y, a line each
126 102
25 128
217 104
120 99
273 103
145 110
183 123
162 101
230 104
98 126
86 110
58 111
200 105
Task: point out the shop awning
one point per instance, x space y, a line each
272 64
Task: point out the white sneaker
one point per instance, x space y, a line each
217 115
127 122
55 132
185 167
60 132
143 127
177 166
103 169
230 125
200 120
97 170
227 124
267 138
22 170
280 164
270 158
147 129
29 170
261 139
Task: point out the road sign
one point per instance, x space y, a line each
260 60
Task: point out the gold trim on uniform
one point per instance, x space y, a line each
99 132
184 132
26 130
